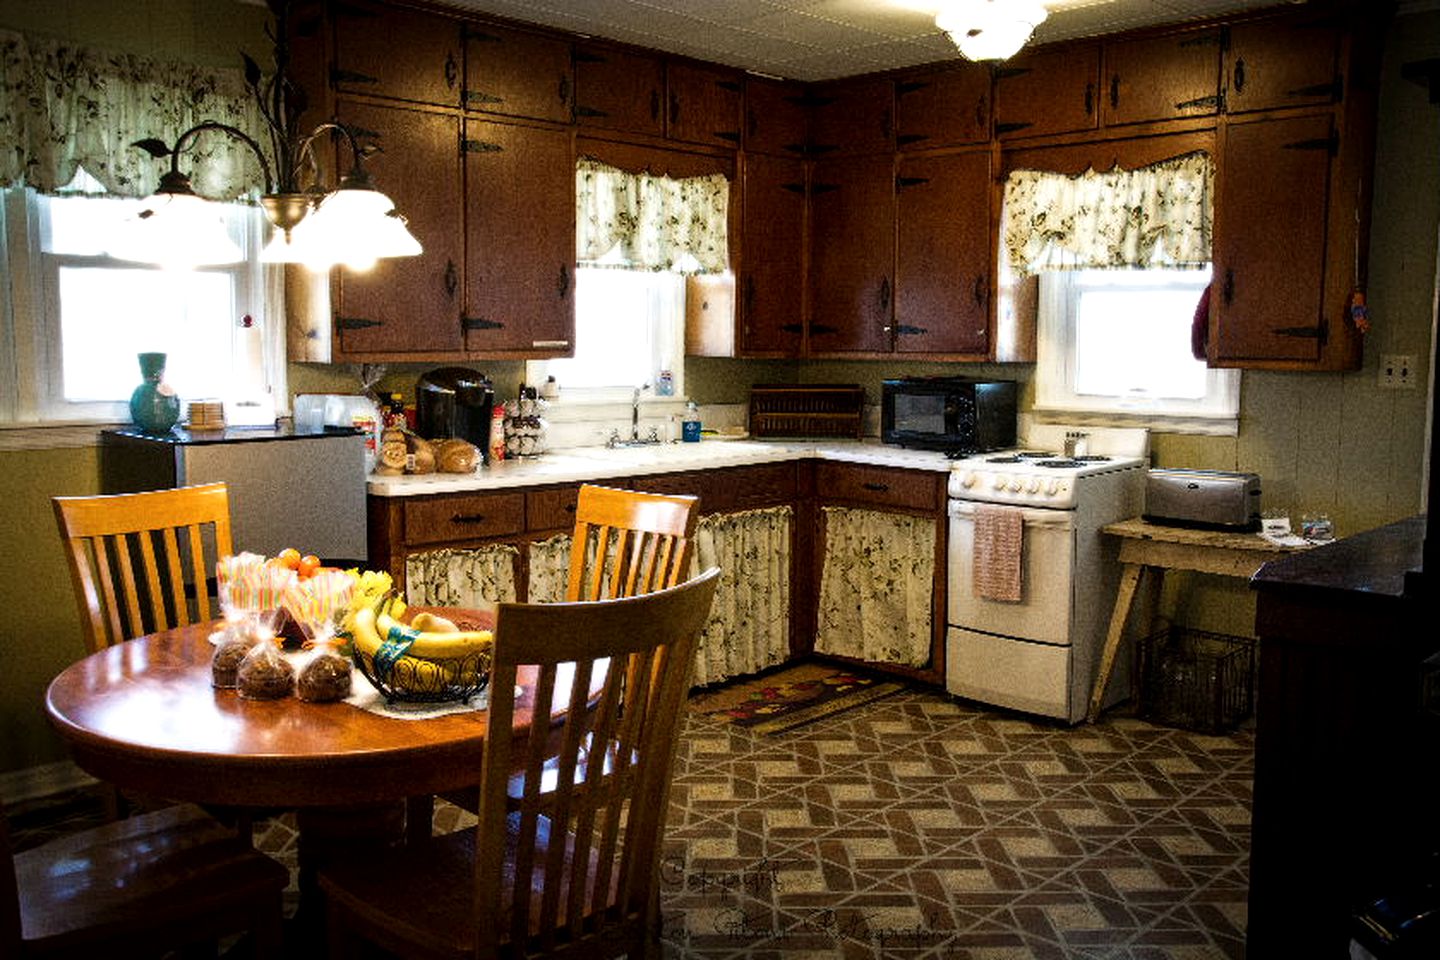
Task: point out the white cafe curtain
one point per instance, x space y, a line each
461 577
876 587
638 221
1155 216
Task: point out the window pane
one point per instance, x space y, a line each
108 315
1136 343
627 328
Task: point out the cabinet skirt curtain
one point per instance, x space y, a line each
876 586
749 625
461 577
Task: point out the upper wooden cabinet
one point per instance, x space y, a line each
944 254
1161 78
942 108
852 255
619 90
1049 90
703 104
1288 62
408 306
775 117
1268 297
852 118
772 249
520 240
518 74
396 52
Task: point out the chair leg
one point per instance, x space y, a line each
419 818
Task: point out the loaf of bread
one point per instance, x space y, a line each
393 453
420 454
456 456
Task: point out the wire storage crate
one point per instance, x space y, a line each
1196 680
807 410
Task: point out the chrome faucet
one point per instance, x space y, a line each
635 413
634 439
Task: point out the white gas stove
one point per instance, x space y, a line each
1039 654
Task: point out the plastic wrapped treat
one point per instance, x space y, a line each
265 674
325 677
225 665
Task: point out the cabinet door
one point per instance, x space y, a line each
943 108
396 52
618 90
852 208
1269 243
1287 63
1162 78
942 267
774 117
517 74
772 243
853 118
1049 91
407 305
703 104
520 239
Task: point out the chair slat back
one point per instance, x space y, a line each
133 555
627 542
584 833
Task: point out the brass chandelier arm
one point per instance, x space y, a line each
177 182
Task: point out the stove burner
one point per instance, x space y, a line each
1012 458
1094 458
1060 464
958 454
1036 454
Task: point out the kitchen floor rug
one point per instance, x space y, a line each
793 697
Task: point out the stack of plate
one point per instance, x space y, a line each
206 415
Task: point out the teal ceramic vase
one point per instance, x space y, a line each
154 406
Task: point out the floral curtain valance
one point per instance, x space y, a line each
62 107
1158 215
639 221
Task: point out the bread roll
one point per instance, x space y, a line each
421 455
456 456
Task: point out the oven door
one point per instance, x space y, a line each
1047 553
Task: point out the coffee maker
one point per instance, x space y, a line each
455 402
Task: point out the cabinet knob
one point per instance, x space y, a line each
979 290
1239 81
884 294
452 71
562 285
1115 90
1227 291
563 89
1089 99
452 279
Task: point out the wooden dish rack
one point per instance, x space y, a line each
807 410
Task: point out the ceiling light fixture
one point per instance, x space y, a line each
990 29
352 225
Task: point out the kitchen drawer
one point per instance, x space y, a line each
880 486
551 509
759 486
704 485
470 517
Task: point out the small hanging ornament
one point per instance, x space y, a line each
1359 313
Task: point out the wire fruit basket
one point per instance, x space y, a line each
402 677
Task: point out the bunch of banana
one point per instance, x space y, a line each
430 654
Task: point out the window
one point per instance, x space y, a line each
1117 343
80 317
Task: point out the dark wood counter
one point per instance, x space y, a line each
1345 743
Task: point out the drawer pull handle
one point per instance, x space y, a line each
468 518
877 487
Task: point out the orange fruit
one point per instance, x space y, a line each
309 565
289 557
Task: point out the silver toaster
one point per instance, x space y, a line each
1203 498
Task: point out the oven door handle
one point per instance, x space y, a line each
1063 519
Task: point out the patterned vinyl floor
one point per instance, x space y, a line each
921 827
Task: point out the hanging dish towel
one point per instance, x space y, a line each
999 534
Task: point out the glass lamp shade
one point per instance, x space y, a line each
353 227
990 29
176 230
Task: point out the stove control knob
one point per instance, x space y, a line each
967 479
1034 485
1053 487
1016 484
999 481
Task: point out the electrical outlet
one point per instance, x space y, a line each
1397 371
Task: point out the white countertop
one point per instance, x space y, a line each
580 464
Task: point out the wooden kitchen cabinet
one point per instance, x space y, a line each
917 493
517 73
1288 62
520 240
1269 251
1168 77
619 89
775 117
703 103
852 118
852 255
943 107
398 52
772 246
1047 91
407 306
727 489
944 254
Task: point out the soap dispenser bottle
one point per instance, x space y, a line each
690 424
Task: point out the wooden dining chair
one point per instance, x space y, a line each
130 555
565 856
649 535
159 882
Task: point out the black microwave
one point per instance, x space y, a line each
955 414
